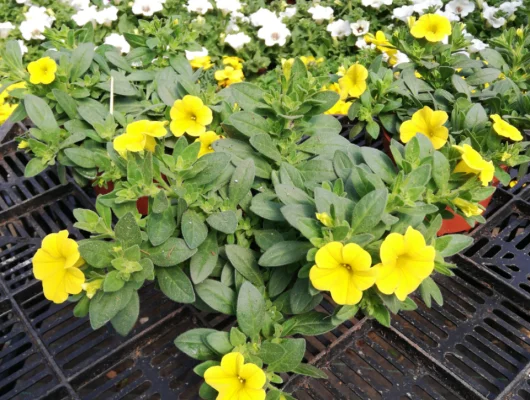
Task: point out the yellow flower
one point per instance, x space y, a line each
432 27
519 32
92 287
505 129
354 81
380 42
335 87
235 380
23 144
5 94
405 262
505 156
341 107
344 271
204 62
287 65
418 75
225 77
42 71
5 111
190 116
468 208
324 219
473 163
57 264
140 135
426 122
513 183
206 139
234 62
341 71
307 60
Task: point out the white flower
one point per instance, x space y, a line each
401 58
5 28
32 30
263 17
488 13
360 27
375 3
118 41
227 6
460 7
476 46
199 6
339 28
422 6
510 7
78 4
403 13
147 7
23 47
191 55
232 26
289 12
85 16
361 43
23 2
107 16
238 40
320 13
39 14
449 15
274 34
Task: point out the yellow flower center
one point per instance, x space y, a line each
347 266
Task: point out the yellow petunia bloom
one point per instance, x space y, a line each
204 62
92 287
468 208
23 145
505 129
344 270
432 27
473 163
190 116
5 111
206 139
225 77
335 87
140 135
405 262
57 264
381 43
310 60
234 62
341 107
354 81
42 71
235 380
325 219
426 122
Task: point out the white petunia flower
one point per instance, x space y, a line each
78 4
289 12
449 15
403 13
23 47
423 6
85 16
360 27
199 6
339 29
274 34
460 7
147 7
191 55
5 28
400 58
238 40
227 6
107 16
118 41
488 13
263 17
510 7
375 3
361 43
37 20
476 46
320 13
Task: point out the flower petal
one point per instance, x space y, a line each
330 256
253 375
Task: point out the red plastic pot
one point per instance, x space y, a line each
142 204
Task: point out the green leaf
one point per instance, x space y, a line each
460 85
113 282
81 156
292 195
284 356
194 230
300 298
204 261
171 253
224 221
264 144
66 102
244 261
430 290
278 282
247 96
34 167
160 202
249 123
237 338
127 231
117 60
160 226
379 163
105 306
449 245
475 117
125 320
441 170
193 344
250 310
284 253
97 253
203 367
218 296
369 210
311 323
81 60
241 181
310 370
482 76
40 113
318 171
219 342
263 205
175 284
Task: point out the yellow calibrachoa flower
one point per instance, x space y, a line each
23 144
341 107
225 77
92 287
344 270
140 135
206 139
426 122
473 163
42 71
204 62
235 380
234 62
325 219
5 94
5 111
405 262
190 116
335 87
354 81
57 264
432 27
380 42
468 208
311 60
505 129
